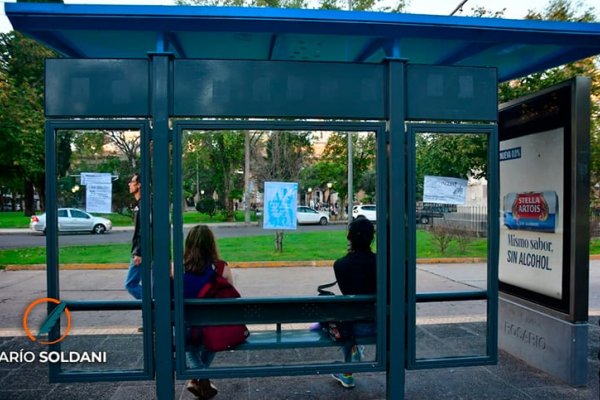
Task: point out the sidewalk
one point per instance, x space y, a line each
116 333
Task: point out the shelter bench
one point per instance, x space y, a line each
278 311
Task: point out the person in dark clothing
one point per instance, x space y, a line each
134 274
356 273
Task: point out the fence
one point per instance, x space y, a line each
595 225
473 219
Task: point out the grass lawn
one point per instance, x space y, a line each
326 245
13 219
313 246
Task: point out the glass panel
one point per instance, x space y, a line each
110 339
451 329
219 187
94 205
451 243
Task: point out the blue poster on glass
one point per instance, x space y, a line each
281 199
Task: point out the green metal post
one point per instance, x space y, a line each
161 237
397 208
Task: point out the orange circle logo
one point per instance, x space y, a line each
31 307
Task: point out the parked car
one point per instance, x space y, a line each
72 220
307 215
367 211
424 215
426 212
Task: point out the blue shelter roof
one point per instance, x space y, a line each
515 47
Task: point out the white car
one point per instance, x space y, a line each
368 211
72 220
307 215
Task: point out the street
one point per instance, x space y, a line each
27 238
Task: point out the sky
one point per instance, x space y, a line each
515 9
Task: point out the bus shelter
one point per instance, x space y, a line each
169 73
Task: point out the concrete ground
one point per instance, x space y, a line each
116 333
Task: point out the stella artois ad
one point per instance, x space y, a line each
531 226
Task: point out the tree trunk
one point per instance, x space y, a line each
28 198
41 191
279 241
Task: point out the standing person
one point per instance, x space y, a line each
200 263
134 274
356 273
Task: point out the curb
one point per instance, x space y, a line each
248 264
234 264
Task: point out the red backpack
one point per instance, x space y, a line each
219 337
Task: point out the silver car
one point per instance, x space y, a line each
307 215
72 220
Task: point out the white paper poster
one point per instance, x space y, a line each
98 198
95 177
444 190
531 224
98 192
281 199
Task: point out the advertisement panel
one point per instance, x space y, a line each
544 198
531 226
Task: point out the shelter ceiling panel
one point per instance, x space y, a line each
328 48
218 45
515 47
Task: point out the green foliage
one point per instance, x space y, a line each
207 206
335 158
358 5
457 156
226 154
22 116
566 10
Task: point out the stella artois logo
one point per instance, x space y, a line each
530 205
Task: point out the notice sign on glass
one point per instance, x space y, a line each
280 200
444 190
531 226
98 192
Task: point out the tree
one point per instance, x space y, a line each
363 159
457 156
566 10
95 151
465 155
128 144
359 5
283 157
211 162
22 65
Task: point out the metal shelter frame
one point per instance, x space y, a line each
164 63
